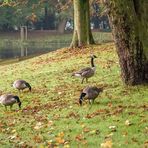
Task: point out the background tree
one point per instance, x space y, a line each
129 21
82 34
40 14
64 9
6 19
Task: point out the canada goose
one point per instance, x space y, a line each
87 72
9 100
90 93
21 85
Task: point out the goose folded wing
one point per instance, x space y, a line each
10 101
88 73
87 69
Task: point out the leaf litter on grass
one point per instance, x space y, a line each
51 115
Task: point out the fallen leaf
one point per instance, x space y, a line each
86 130
50 123
113 128
109 135
128 123
107 144
79 137
59 140
61 134
38 138
49 142
93 132
13 131
66 146
38 126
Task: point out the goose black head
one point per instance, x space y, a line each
18 101
30 88
28 85
81 98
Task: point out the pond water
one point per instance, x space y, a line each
8 52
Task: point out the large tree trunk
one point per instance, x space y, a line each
82 33
129 21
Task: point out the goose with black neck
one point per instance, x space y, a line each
87 72
9 100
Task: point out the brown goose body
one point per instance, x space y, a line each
9 100
87 72
90 93
21 85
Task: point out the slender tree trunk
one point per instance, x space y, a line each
82 33
46 17
129 22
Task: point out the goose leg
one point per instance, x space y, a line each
82 80
87 80
90 102
11 107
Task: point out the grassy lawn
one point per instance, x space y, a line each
51 115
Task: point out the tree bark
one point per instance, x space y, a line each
128 19
82 33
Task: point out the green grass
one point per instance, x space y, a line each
51 115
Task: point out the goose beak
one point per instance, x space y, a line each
81 98
95 56
30 89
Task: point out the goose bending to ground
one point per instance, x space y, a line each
9 100
21 85
90 93
87 72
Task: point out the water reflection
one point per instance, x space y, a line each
23 51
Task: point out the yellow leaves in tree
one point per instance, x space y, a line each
32 17
8 3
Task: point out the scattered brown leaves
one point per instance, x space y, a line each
79 137
73 115
47 106
96 113
38 138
